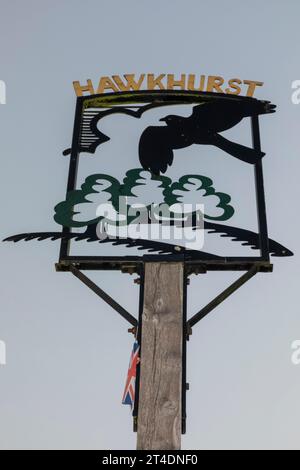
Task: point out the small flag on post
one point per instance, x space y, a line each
129 392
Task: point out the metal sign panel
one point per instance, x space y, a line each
152 176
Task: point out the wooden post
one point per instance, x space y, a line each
160 395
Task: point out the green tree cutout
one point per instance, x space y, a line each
142 188
180 192
96 190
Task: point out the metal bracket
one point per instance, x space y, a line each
221 297
104 296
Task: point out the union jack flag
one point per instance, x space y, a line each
129 392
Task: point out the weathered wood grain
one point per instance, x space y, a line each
159 417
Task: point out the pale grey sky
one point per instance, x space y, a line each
67 352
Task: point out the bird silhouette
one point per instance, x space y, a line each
157 143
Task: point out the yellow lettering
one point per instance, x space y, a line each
152 82
191 83
214 83
171 83
252 84
106 83
80 89
234 89
131 83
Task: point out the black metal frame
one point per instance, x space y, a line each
134 263
139 340
104 296
221 297
184 386
192 265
